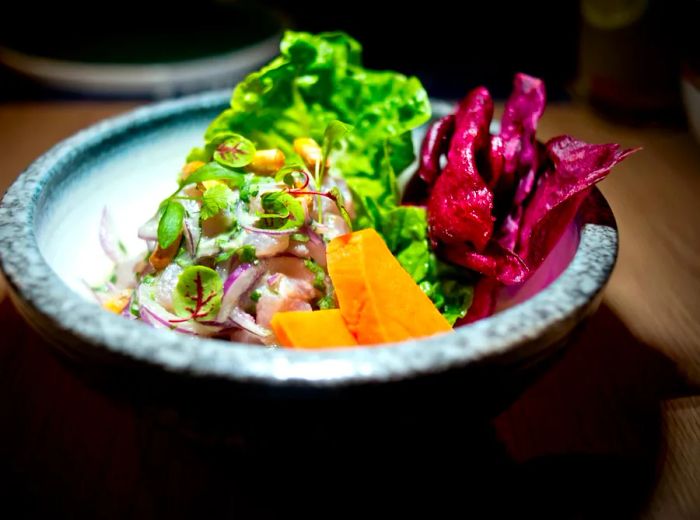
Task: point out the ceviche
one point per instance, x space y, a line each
288 227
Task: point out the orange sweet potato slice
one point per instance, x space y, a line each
311 329
378 299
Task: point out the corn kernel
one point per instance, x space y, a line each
118 303
309 150
205 185
266 162
189 168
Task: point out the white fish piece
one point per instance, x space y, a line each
166 284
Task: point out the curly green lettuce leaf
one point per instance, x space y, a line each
317 79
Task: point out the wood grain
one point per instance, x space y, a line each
677 494
654 194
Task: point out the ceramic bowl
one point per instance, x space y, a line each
49 250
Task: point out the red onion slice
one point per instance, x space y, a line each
235 275
313 236
238 282
317 247
107 238
152 318
149 231
247 322
158 317
192 230
126 311
271 232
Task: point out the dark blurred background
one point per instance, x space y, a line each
621 54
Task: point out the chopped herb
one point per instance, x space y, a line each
183 258
246 254
300 237
327 302
249 189
319 274
255 295
222 240
134 307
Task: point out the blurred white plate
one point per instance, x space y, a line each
153 80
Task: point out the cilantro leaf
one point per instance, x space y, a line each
215 200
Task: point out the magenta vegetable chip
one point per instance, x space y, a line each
575 167
502 201
435 145
460 203
521 114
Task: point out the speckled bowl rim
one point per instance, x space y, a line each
513 334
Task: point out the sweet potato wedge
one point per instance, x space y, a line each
308 329
378 299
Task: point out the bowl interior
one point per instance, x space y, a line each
130 174
128 177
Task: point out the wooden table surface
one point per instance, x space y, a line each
612 430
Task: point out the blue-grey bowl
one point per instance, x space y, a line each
49 248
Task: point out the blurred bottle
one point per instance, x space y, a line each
628 63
